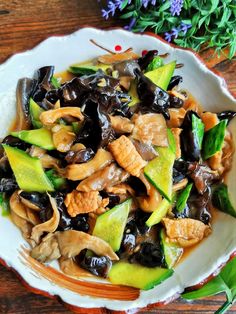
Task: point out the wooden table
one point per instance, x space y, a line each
23 24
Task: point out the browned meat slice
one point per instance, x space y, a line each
127 156
121 124
84 202
100 180
186 231
209 119
150 129
81 171
51 116
176 117
176 132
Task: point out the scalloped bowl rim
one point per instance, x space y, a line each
184 276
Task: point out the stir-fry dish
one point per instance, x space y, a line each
113 169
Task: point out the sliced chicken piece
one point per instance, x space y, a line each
100 180
178 94
185 231
84 202
192 104
176 132
127 156
76 172
122 188
209 119
176 117
121 124
150 129
49 117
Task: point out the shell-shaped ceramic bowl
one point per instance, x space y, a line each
209 89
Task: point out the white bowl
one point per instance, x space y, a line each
209 89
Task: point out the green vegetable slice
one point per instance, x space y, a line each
58 182
183 197
55 82
221 200
83 70
157 62
172 251
171 140
198 129
162 75
134 275
110 226
159 171
35 112
213 140
39 137
159 213
134 94
86 68
4 204
28 171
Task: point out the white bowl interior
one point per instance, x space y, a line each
209 90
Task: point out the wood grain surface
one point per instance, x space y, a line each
23 24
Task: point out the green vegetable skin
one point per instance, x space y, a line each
183 197
172 251
157 62
86 68
160 76
39 137
213 140
134 275
198 129
159 171
221 200
35 112
159 213
4 204
58 182
28 171
110 225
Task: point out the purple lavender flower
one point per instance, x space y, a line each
131 24
105 14
168 37
176 6
119 3
175 32
145 3
184 27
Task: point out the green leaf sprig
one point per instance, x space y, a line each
188 23
225 281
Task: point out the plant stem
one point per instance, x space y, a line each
224 308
